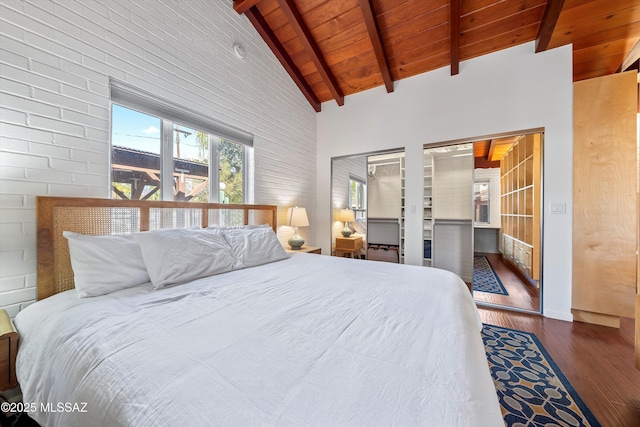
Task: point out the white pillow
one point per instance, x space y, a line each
103 264
175 256
252 247
237 227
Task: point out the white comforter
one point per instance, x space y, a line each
311 340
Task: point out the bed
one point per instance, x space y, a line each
304 340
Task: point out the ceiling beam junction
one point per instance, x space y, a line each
548 24
303 33
376 41
241 6
260 24
454 25
632 59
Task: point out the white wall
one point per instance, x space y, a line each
384 192
514 89
56 58
343 169
453 186
486 240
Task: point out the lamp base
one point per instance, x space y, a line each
295 242
346 231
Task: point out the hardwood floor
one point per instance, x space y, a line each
521 295
597 360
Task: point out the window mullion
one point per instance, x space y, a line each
167 166
214 169
247 175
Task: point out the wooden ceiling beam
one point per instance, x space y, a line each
241 6
632 59
548 24
492 146
454 24
303 33
280 52
376 41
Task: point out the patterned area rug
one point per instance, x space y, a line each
531 388
485 278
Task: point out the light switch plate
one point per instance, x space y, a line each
558 208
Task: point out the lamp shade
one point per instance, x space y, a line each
297 217
346 215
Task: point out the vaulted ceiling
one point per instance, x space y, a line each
334 48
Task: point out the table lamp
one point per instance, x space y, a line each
347 216
297 217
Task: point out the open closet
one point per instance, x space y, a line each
482 216
448 222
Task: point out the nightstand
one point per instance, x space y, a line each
306 249
350 245
8 352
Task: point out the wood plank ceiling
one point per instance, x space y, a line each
334 48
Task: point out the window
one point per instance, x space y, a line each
135 155
162 152
481 202
357 193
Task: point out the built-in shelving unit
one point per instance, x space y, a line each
520 205
427 208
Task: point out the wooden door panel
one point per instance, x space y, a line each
605 219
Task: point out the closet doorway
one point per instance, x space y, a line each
482 216
367 206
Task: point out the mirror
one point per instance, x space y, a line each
448 209
481 212
367 206
349 206
482 216
507 204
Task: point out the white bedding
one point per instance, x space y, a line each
311 340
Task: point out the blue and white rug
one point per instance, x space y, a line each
485 278
531 388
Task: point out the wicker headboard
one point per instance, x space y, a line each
106 216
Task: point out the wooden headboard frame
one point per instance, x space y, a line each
106 216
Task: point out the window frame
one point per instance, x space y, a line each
363 185
169 113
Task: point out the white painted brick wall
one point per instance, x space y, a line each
56 57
